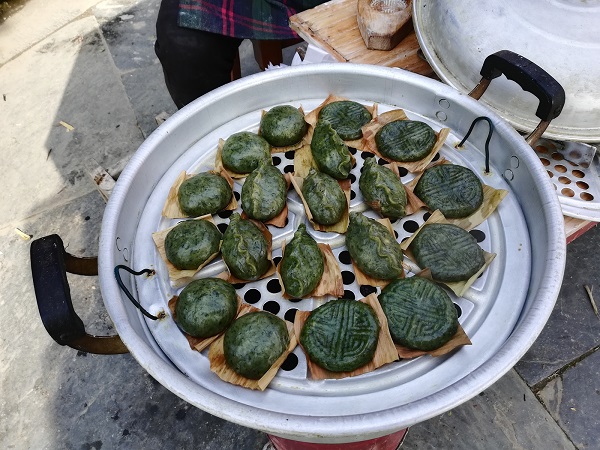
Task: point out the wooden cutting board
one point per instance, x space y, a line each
333 26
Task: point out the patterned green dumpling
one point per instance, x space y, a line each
206 307
341 335
283 125
420 313
191 242
244 151
405 140
373 248
264 192
346 117
205 193
254 342
454 190
245 249
382 189
330 152
302 264
450 252
324 197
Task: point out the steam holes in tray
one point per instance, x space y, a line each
545 161
550 174
458 310
541 149
252 296
586 196
478 235
582 185
272 307
344 257
290 363
290 314
276 160
410 226
349 295
567 192
365 290
348 277
560 168
273 286
564 180
557 156
578 173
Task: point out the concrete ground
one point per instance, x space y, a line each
90 65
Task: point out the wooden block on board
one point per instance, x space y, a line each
384 23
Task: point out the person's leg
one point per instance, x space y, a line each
194 62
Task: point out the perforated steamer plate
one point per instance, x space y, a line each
502 313
577 187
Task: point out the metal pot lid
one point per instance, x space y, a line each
558 35
502 313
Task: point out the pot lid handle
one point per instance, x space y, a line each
531 77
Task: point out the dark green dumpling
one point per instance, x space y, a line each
405 140
341 335
324 197
206 307
205 193
373 248
380 185
302 264
283 125
245 249
420 314
346 117
454 190
330 152
264 192
254 342
243 152
191 242
450 252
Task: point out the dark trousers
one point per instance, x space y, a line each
194 62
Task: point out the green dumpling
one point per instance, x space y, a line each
420 313
373 248
302 264
324 197
405 140
264 192
330 152
191 242
245 151
454 190
341 335
245 249
283 125
382 190
346 117
451 253
206 307
254 342
205 193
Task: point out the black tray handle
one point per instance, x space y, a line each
49 266
532 78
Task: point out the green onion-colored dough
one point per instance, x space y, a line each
373 248
191 243
341 335
346 117
243 152
264 192
283 125
454 190
324 197
420 313
245 249
450 252
302 264
382 189
206 307
205 193
405 140
254 342
330 152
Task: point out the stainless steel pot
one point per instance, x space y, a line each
503 312
559 35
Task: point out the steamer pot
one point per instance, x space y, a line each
503 312
559 35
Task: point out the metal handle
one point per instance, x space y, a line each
531 78
49 266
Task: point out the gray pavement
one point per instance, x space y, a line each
90 65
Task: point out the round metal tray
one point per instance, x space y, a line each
502 313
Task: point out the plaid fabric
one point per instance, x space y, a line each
245 19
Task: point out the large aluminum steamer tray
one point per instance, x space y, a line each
503 312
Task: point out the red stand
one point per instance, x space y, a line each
389 442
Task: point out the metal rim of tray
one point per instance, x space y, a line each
326 428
